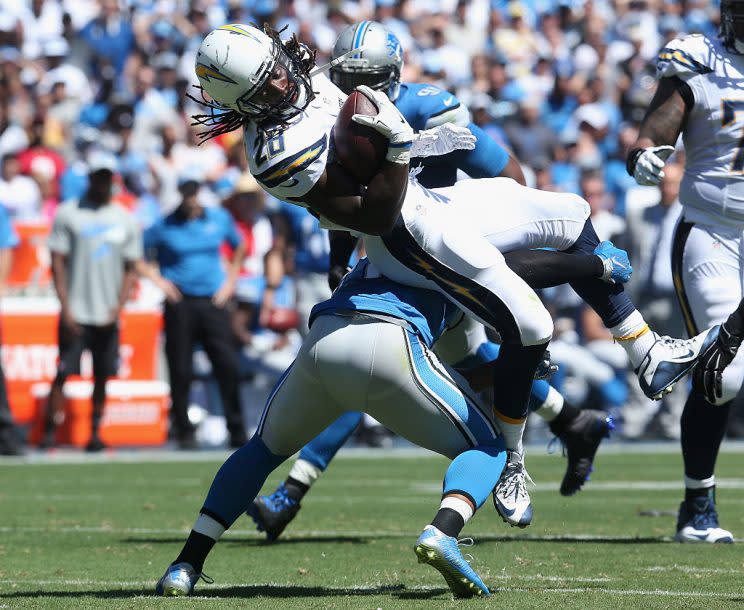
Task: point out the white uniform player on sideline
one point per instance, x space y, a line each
288 110
701 95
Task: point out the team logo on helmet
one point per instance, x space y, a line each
210 72
236 28
393 46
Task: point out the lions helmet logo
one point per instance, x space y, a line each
393 46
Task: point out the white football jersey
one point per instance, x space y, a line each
290 161
712 189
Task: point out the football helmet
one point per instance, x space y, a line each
378 63
235 61
732 25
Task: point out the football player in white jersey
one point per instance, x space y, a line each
701 95
448 239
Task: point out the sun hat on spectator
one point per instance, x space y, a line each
56 47
100 160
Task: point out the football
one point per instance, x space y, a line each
360 150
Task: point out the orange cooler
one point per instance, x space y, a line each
136 413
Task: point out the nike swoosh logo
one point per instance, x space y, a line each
683 357
504 510
448 101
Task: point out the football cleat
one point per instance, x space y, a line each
179 580
510 495
581 439
617 267
442 552
272 514
670 359
698 522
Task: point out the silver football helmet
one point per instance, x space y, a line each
378 63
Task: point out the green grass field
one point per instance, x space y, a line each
95 535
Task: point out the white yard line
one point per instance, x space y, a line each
127 456
319 534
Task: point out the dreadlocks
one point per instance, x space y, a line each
220 119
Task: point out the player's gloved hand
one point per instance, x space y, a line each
335 274
390 123
708 374
646 165
546 368
442 140
617 267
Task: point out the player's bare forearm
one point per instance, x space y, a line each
665 117
59 278
130 279
342 200
385 194
514 171
342 245
6 259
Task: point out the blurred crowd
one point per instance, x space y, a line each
563 83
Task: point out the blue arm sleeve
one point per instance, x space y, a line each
487 160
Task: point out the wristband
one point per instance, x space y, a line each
632 159
399 152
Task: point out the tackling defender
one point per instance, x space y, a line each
379 66
699 95
370 346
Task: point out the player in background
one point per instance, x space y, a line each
288 109
699 95
424 107
401 383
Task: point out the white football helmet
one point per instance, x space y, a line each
378 63
234 62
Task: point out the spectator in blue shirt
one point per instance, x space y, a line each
9 438
186 246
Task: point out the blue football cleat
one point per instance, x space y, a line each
179 580
617 267
670 359
698 522
443 553
272 514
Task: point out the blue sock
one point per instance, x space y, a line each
239 480
539 394
321 450
610 301
475 472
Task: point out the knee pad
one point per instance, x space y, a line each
536 328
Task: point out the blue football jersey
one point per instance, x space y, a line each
365 290
426 106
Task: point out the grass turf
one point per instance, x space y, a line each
99 535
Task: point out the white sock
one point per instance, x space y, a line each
459 506
552 406
512 433
305 472
209 527
634 336
700 483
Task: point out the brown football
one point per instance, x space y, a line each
359 149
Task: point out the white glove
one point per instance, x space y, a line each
390 123
442 140
649 166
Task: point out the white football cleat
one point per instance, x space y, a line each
510 495
670 359
698 522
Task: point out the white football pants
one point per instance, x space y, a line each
355 363
450 239
707 267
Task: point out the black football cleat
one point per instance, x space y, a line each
272 514
581 439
